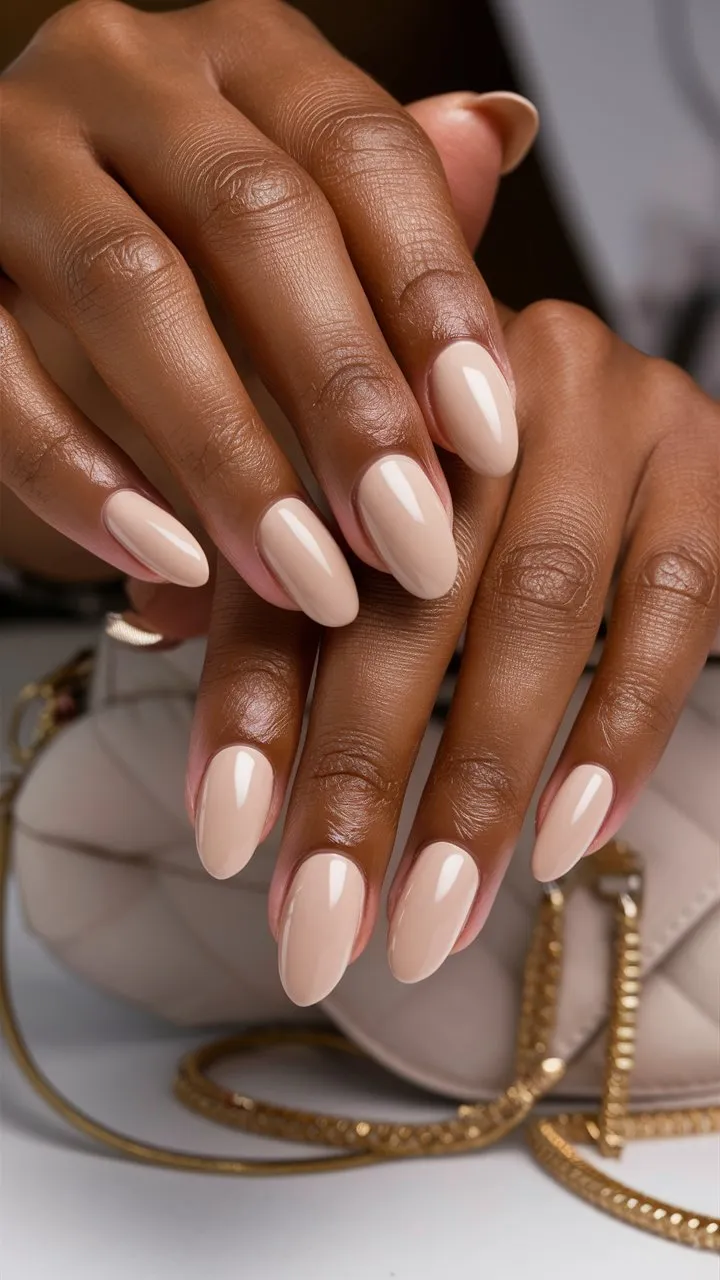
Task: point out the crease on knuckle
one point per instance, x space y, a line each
260 190
110 270
254 694
680 578
356 769
362 394
481 791
357 139
632 704
546 583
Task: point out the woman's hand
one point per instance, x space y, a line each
618 479
231 141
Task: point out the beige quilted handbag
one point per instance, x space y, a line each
110 880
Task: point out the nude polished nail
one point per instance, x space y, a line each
155 538
518 120
572 821
474 407
432 910
408 526
232 809
308 562
319 925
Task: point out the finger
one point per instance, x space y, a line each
169 611
531 630
74 478
373 696
477 136
247 722
387 189
664 618
75 241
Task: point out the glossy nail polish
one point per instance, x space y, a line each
232 810
474 408
319 925
408 525
572 821
155 538
432 910
308 562
518 121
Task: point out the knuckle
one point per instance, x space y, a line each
100 23
254 693
563 337
258 188
357 767
544 581
481 789
359 392
634 703
359 138
108 270
681 578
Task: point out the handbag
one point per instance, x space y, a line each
597 990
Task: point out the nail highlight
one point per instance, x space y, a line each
518 120
319 925
408 525
309 563
572 822
232 810
432 911
155 538
475 409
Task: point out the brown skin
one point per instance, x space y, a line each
618 473
254 153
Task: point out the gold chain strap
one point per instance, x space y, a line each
617 878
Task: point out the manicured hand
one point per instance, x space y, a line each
230 143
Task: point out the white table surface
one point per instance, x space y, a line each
68 1210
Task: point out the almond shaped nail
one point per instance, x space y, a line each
576 814
474 407
518 120
432 910
408 525
232 810
310 565
319 925
155 538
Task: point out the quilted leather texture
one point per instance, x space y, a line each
110 880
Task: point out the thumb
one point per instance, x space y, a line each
479 137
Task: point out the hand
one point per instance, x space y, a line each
618 479
230 139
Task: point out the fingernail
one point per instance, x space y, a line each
310 565
431 913
408 525
518 120
572 822
319 925
475 409
127 628
156 538
233 809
